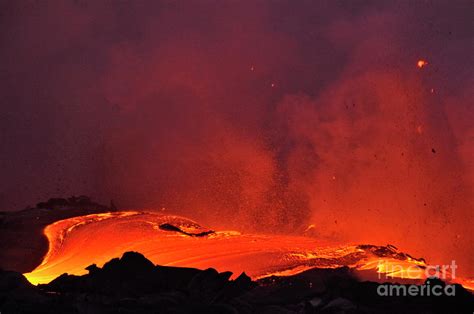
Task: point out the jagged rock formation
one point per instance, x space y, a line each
132 284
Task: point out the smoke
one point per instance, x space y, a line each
269 115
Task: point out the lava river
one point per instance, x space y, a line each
169 240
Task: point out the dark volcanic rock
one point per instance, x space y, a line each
132 284
17 295
23 243
170 227
73 201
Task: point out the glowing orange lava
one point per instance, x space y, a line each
77 242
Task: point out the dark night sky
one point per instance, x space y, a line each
171 104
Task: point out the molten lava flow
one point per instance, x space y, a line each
77 242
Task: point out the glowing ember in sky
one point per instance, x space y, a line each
422 63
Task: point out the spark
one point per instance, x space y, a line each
310 227
422 63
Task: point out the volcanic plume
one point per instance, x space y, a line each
259 117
